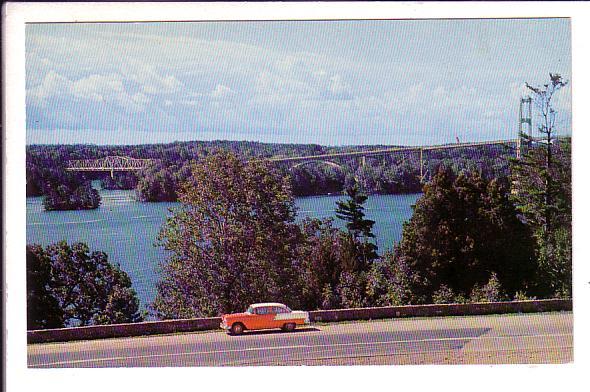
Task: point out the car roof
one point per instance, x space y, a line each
268 304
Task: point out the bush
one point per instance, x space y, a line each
490 292
444 295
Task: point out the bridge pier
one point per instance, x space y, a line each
421 165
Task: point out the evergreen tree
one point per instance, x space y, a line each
551 224
463 229
360 248
352 212
542 192
320 255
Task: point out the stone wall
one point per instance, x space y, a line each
212 323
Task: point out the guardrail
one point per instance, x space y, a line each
202 324
122 330
472 309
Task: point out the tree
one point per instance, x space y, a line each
156 183
543 99
362 251
69 286
122 180
389 282
352 212
385 174
551 224
463 229
320 252
70 195
233 241
542 193
43 310
329 270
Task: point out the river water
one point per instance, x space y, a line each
126 230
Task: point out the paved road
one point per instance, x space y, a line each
531 338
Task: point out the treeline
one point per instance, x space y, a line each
388 174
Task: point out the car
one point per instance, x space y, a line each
268 315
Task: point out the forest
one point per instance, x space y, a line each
470 239
388 174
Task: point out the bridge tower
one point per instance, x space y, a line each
423 170
525 116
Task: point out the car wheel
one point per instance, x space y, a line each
237 328
289 327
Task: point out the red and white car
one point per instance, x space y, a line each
264 316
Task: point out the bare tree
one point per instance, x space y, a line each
543 99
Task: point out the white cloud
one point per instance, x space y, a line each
222 91
149 79
109 89
140 99
98 87
51 85
338 87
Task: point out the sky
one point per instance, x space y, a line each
393 82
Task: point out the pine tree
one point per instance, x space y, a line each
352 212
542 191
464 228
361 250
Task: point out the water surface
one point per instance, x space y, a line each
126 230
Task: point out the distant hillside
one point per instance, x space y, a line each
395 173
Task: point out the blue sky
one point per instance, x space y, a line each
328 82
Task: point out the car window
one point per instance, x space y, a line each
261 310
282 310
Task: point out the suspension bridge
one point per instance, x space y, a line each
329 158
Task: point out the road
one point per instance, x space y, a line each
527 338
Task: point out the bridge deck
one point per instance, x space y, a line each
391 150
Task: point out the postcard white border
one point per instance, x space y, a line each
457 378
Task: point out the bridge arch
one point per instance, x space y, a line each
328 163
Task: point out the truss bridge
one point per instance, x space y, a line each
109 164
